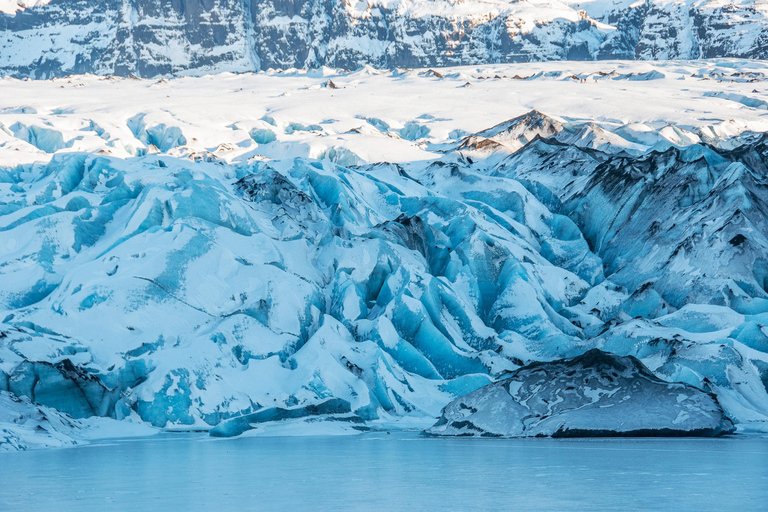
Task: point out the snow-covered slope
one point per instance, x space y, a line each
228 250
163 37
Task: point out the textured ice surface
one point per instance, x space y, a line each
208 249
596 394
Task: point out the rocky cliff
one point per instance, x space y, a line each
169 37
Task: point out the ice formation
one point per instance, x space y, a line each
25 425
596 394
212 253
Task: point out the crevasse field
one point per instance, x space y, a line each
337 252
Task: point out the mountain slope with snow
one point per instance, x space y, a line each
151 38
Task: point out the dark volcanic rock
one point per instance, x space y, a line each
597 394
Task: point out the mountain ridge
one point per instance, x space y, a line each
152 38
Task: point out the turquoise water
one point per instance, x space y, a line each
190 472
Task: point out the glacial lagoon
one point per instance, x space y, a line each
390 472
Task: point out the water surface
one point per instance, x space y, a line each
189 472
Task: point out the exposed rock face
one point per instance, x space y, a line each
164 37
597 394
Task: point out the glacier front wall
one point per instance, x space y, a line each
185 293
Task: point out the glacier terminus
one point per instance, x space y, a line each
334 251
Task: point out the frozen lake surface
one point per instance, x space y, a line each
390 472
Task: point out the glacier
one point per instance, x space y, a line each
225 252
